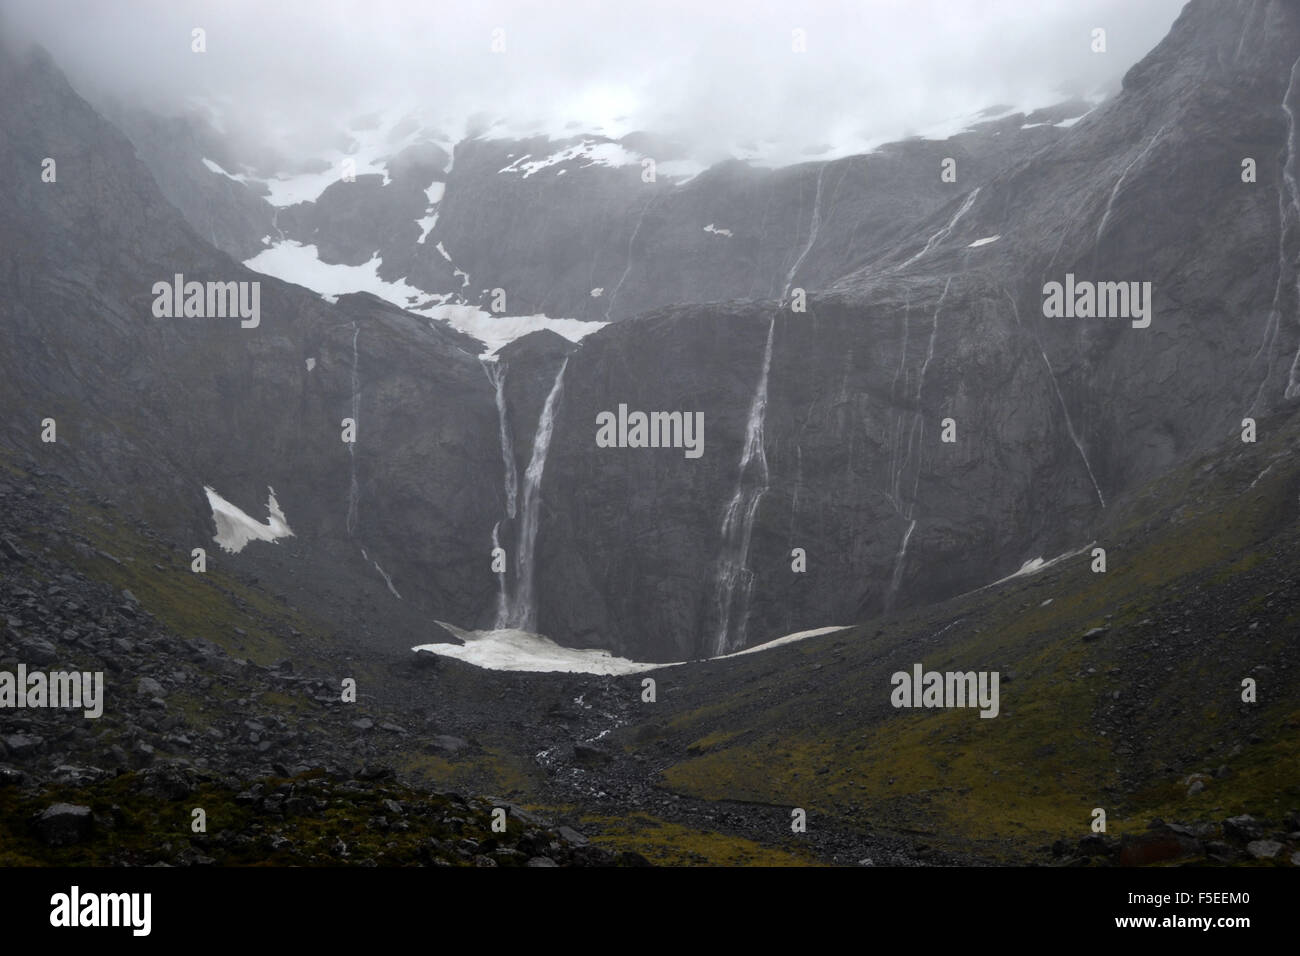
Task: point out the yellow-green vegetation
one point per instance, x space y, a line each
674 844
210 605
493 771
1003 788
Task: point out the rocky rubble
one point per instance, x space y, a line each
1239 839
310 785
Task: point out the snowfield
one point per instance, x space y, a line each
300 264
515 650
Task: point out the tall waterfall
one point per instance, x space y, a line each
501 588
735 581
520 607
496 374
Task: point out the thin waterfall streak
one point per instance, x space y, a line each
813 227
1060 397
945 232
354 490
609 302
1123 177
735 581
1289 178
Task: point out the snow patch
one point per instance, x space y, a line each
597 292
983 242
369 150
300 264
716 231
235 528
781 641
213 167
515 650
1033 566
510 649
426 226
496 331
311 364
596 154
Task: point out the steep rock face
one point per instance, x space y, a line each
1054 417
566 234
579 239
230 215
351 221
632 545
152 409
822 429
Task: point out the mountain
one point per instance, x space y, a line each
568 228
1056 419
803 479
829 440
153 410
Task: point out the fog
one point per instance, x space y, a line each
715 75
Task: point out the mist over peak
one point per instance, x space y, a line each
767 80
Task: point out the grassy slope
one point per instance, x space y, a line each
1193 560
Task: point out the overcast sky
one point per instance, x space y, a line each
715 73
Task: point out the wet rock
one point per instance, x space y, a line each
448 743
21 746
37 651
572 836
64 824
1244 828
1263 849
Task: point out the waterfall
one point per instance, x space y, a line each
1114 193
609 301
907 510
1288 177
813 226
735 580
521 611
1069 423
943 233
899 559
496 374
501 588
354 492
